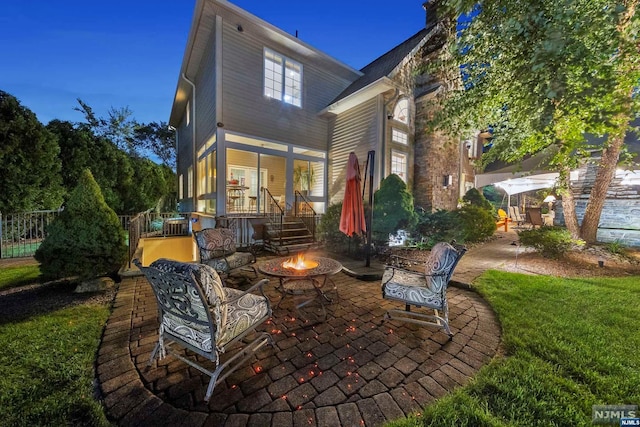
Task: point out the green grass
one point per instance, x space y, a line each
570 344
17 276
46 365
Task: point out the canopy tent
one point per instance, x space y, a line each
528 175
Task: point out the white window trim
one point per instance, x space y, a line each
396 153
397 109
399 136
285 80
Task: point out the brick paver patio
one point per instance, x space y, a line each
354 369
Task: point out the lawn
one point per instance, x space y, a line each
46 365
570 344
18 276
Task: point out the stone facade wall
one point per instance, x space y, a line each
436 156
620 218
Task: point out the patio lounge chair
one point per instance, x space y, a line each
534 217
426 289
217 249
199 314
516 216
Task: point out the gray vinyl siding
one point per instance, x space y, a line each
206 94
185 155
245 109
354 130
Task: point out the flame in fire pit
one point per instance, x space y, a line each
299 263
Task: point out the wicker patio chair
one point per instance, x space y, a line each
426 289
197 313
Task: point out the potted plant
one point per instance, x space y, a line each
304 179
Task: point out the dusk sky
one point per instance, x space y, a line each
121 53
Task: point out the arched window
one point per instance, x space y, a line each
401 112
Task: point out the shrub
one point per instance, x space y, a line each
86 240
475 198
475 223
616 248
334 239
551 242
438 226
392 209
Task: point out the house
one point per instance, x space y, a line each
256 107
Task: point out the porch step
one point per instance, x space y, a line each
291 248
293 237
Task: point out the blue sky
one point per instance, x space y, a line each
127 53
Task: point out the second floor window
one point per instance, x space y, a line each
282 78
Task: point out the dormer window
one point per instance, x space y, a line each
282 78
401 112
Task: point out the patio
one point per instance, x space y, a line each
353 369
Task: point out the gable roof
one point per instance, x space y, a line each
202 27
385 64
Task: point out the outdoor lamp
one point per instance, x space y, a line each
549 199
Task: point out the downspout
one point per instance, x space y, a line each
193 143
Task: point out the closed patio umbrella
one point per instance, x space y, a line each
352 218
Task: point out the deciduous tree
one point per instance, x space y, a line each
546 74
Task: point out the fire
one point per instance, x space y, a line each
299 263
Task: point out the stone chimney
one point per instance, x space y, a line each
430 7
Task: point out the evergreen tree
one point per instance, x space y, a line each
392 209
86 240
30 173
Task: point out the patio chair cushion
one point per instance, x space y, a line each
215 242
230 262
243 313
209 282
410 288
439 266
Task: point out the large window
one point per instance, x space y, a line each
282 78
399 164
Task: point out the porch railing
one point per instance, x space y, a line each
153 224
303 210
273 211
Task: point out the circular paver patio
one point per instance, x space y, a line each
354 369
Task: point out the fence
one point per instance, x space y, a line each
21 233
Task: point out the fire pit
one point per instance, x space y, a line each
301 266
300 263
303 274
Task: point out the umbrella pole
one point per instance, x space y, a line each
370 161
